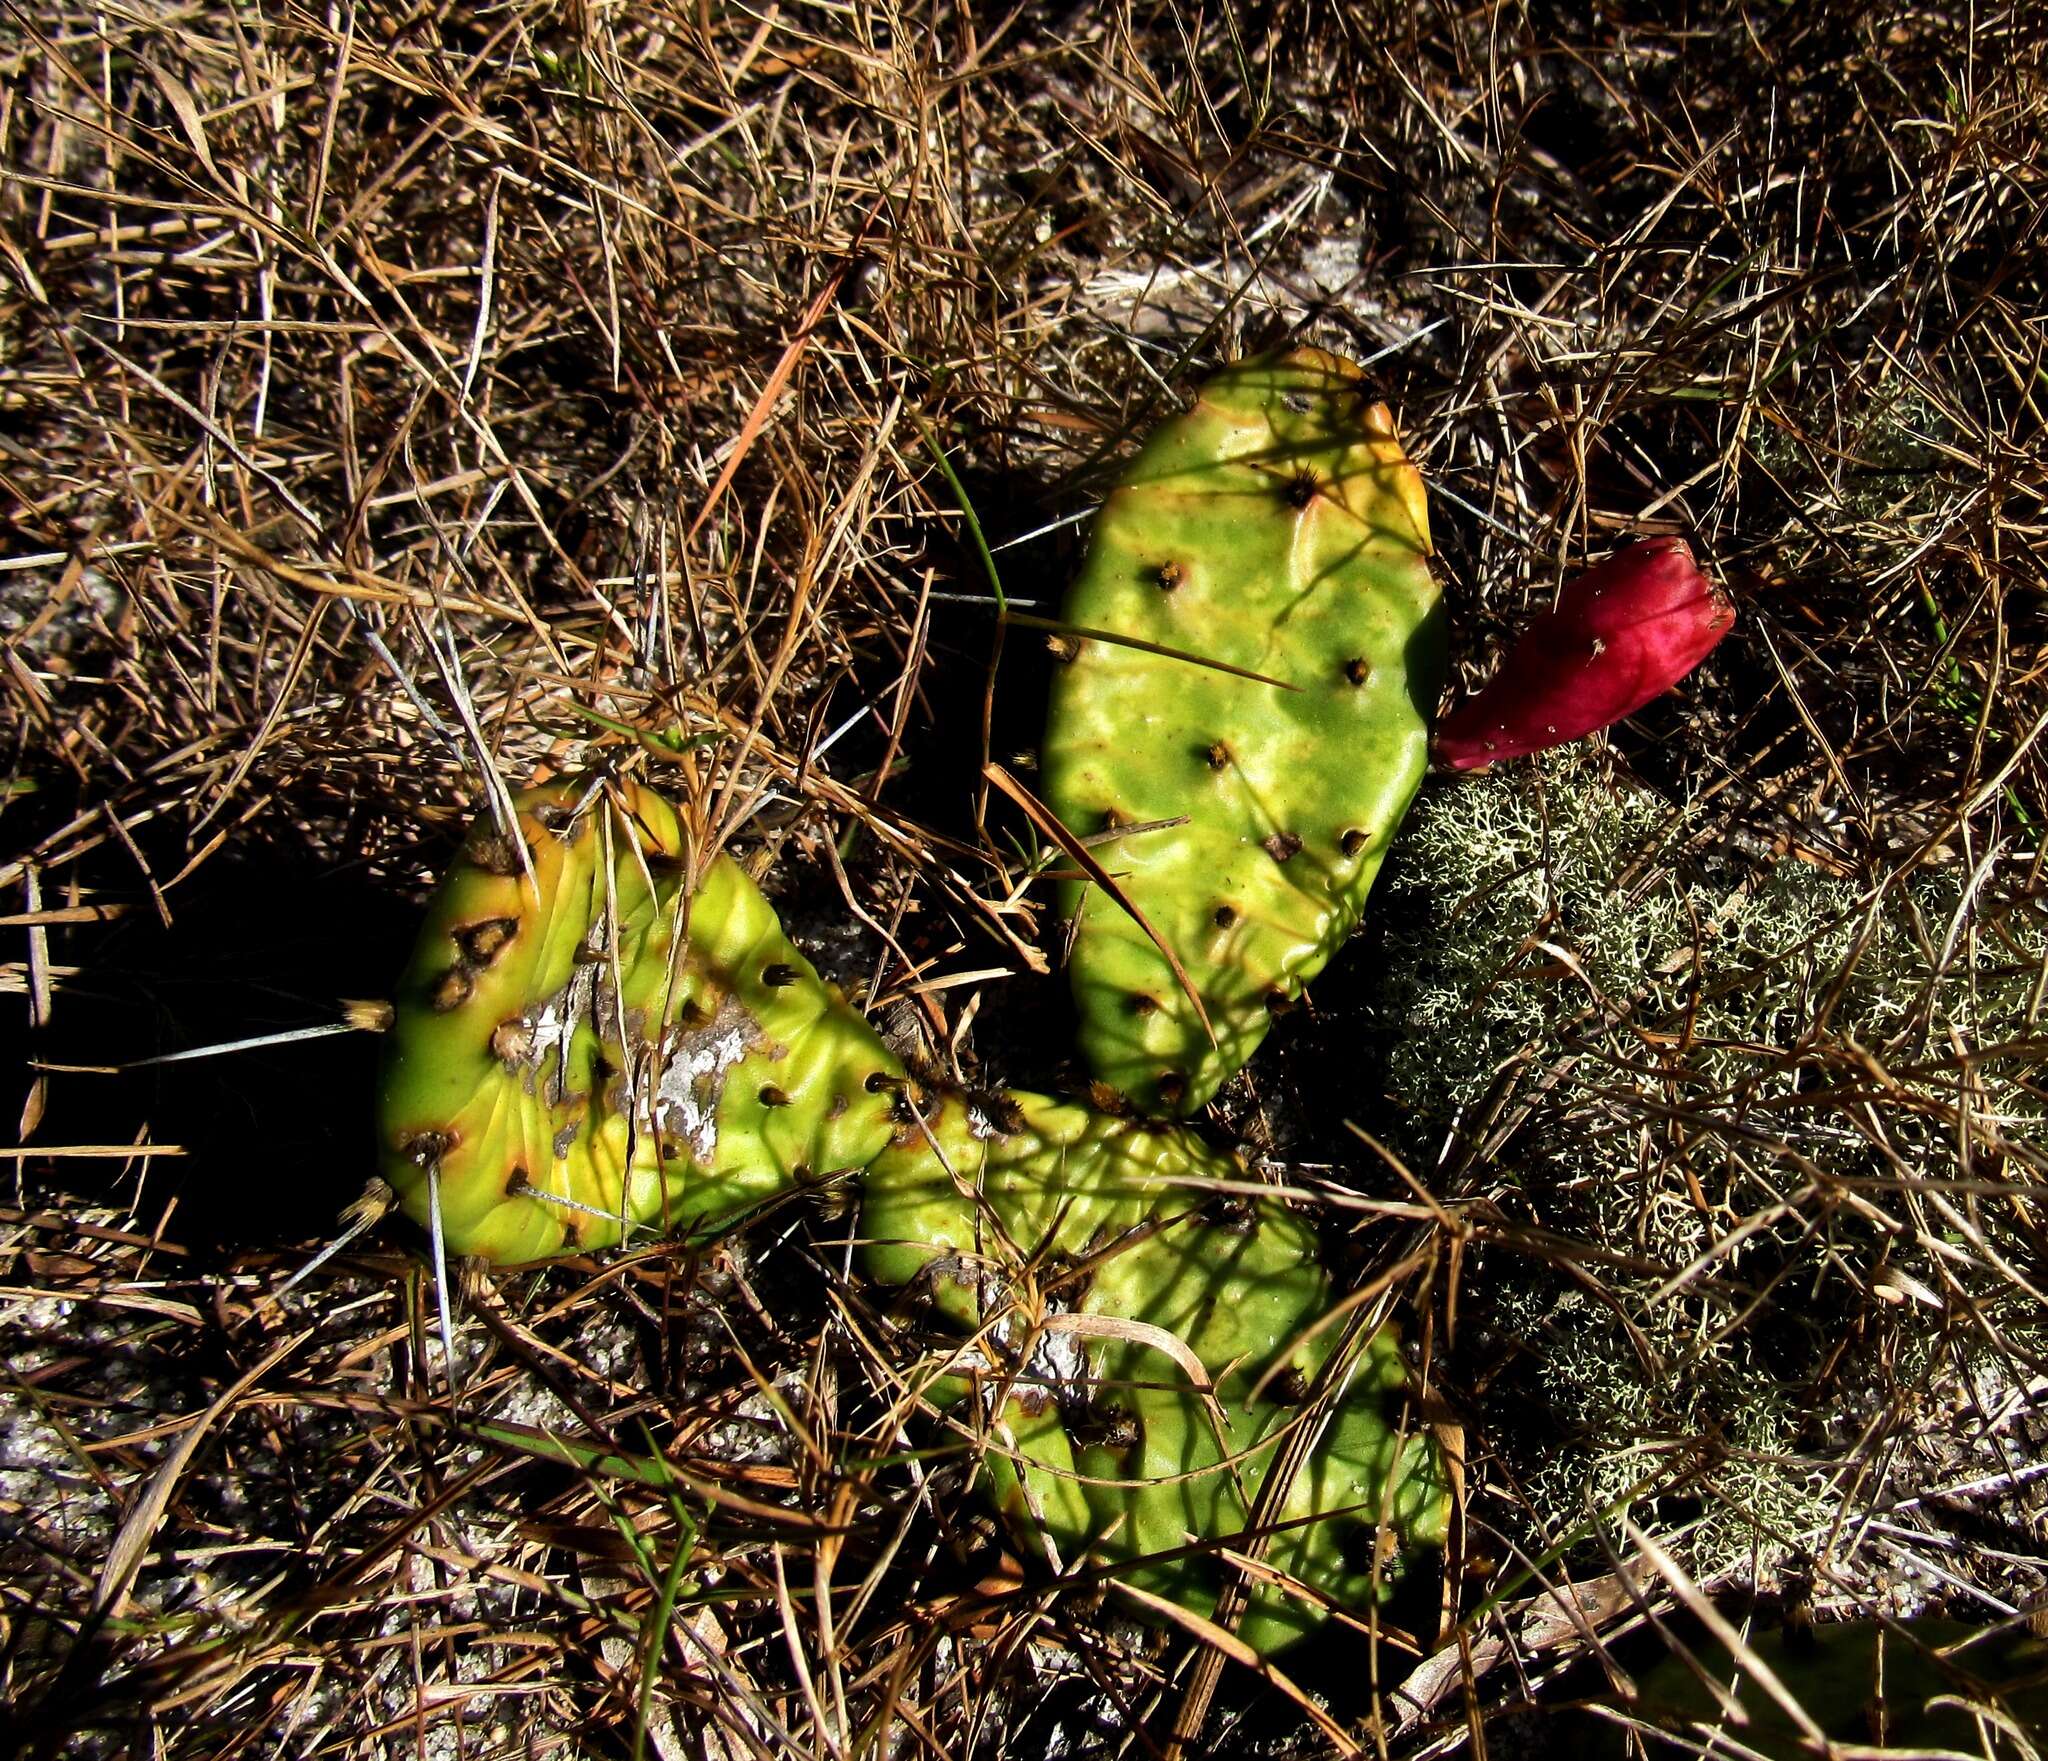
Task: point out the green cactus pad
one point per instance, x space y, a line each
566 1073
583 1045
1276 527
1101 1273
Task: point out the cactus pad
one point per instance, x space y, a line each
1278 528
563 1069
584 1045
1124 1311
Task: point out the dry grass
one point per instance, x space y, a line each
382 387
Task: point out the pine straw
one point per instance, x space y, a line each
382 387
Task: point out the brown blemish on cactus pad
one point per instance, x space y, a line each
481 943
771 1096
1281 846
1366 1547
1104 1427
1105 1099
1003 1114
1232 1212
1063 1275
451 990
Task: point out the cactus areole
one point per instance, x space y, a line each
1276 527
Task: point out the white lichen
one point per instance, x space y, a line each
1765 1105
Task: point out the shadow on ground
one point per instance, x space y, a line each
277 1139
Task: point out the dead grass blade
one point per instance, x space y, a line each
1042 818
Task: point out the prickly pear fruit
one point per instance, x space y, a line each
1620 634
1276 527
1122 1310
580 1048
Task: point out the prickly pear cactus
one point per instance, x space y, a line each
581 1047
1278 528
1123 1311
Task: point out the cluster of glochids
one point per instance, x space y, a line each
603 1035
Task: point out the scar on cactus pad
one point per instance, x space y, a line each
583 1048
583 1045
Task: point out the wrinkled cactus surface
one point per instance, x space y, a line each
582 1048
1277 528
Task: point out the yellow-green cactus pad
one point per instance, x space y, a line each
1122 1310
583 1048
1276 527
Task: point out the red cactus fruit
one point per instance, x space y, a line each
1621 634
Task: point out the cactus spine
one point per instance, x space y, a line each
1276 527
